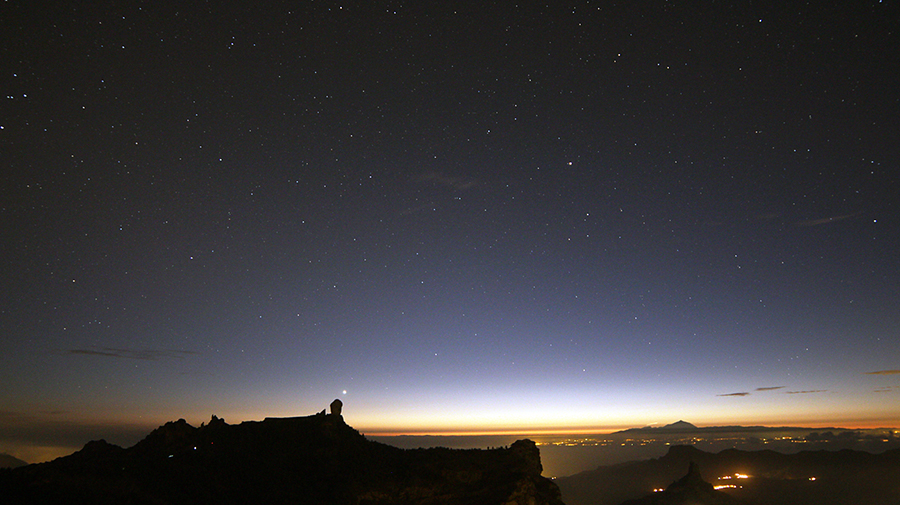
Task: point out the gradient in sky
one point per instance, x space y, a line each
454 217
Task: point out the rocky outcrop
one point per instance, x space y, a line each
689 490
692 482
314 459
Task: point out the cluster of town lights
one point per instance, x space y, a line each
736 476
729 477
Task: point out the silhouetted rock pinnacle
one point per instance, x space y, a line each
690 482
688 490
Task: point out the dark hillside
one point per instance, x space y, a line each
315 459
808 477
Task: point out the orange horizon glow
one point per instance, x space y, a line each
423 426
38 453
860 425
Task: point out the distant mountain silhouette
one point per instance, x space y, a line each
686 427
7 461
679 426
841 477
303 460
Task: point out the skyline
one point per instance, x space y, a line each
453 218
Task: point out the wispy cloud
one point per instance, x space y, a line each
142 354
826 220
420 208
458 183
774 388
884 372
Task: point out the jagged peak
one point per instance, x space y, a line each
172 436
688 490
215 421
693 480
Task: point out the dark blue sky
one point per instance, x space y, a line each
492 217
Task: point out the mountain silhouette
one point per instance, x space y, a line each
807 477
300 460
679 425
7 461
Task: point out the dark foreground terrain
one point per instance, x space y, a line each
766 477
316 459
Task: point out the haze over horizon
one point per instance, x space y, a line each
486 218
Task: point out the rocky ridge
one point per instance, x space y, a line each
312 459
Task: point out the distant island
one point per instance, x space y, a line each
676 426
683 427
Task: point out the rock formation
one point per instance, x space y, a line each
689 490
300 460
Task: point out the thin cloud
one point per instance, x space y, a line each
826 220
416 210
806 392
770 388
884 372
141 354
744 393
458 183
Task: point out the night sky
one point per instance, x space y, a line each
470 216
